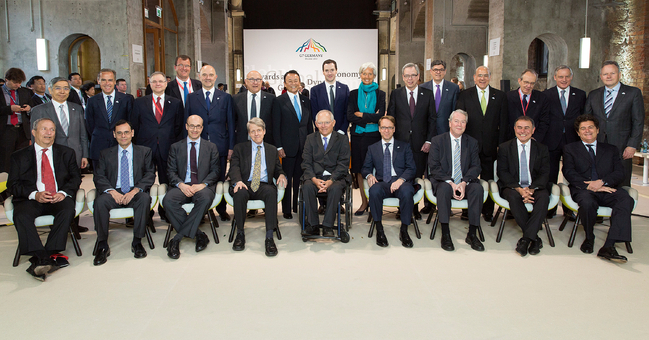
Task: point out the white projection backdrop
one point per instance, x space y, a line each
273 52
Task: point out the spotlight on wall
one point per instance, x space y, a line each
384 73
42 55
584 53
238 74
485 60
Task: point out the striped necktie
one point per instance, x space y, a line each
109 109
608 102
457 166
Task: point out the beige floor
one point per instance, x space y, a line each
329 290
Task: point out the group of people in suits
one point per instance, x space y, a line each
301 144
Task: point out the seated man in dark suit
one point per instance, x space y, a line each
51 195
395 171
325 164
123 178
253 166
455 165
595 172
193 170
523 173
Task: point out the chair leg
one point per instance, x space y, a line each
213 224
480 233
213 218
167 236
435 223
371 232
502 226
571 241
549 232
495 219
94 249
149 223
279 234
414 221
369 215
232 231
628 247
74 229
563 223
17 257
75 243
149 239
430 215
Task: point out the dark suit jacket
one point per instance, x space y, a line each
208 163
288 132
352 107
577 167
174 91
23 172
241 114
560 122
147 130
218 124
37 100
315 159
241 163
320 101
422 126
440 159
509 162
74 97
24 96
99 129
450 92
105 176
625 123
538 109
402 161
77 137
489 129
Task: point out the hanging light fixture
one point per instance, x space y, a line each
584 45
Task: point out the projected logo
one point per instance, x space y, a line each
311 50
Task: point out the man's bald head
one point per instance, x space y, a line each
253 81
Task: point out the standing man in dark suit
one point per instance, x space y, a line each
76 96
103 111
291 124
325 166
193 170
44 179
331 95
566 103
413 109
445 93
620 111
158 122
596 174
14 116
38 85
123 178
183 86
215 108
253 167
455 165
523 172
253 103
525 101
390 170
487 123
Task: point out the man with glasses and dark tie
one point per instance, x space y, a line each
193 169
38 85
445 93
103 111
253 103
596 175
525 101
620 111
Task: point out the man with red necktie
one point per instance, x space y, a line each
14 116
525 101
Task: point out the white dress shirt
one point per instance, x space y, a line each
528 146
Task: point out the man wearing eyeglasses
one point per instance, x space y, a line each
445 93
182 86
525 101
253 103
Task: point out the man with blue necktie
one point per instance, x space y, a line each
123 177
183 85
445 93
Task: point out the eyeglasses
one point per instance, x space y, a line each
194 127
386 128
254 80
184 66
65 88
323 123
410 76
438 70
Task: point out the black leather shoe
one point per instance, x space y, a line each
173 249
224 216
398 214
288 216
239 243
465 215
426 209
550 215
447 243
522 246
611 254
417 215
102 256
321 210
32 271
327 232
311 231
271 248
82 229
488 218
201 242
405 239
381 240
535 246
587 246
139 251
599 219
474 242
60 260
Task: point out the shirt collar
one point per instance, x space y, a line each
255 145
567 89
198 141
521 94
250 94
329 84
440 83
211 90
327 136
112 94
414 91
57 104
391 141
129 148
189 81
519 143
39 148
162 97
615 88
594 144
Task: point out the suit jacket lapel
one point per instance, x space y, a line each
182 160
464 157
201 96
620 97
117 101
533 152
513 154
165 111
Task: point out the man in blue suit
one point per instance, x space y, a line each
445 93
331 95
103 111
215 108
391 179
